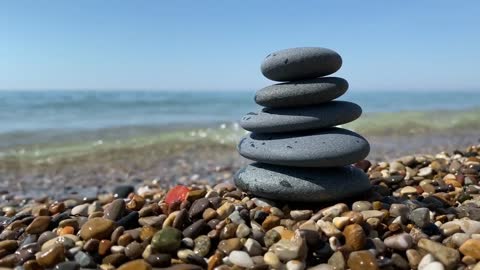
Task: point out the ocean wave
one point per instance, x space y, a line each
377 124
417 122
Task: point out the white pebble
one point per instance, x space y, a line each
240 258
117 249
424 171
434 266
295 265
322 266
334 243
426 260
402 241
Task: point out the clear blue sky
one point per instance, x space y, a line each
220 44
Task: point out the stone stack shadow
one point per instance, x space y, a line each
300 155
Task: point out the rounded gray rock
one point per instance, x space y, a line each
302 184
301 93
270 120
329 147
300 63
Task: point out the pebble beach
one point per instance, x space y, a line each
224 136
422 212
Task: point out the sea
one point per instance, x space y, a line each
43 117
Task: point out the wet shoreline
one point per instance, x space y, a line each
208 157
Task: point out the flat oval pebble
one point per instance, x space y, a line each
167 240
302 184
98 228
301 93
324 148
300 63
330 114
135 265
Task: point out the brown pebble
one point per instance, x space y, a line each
394 227
185 204
215 260
91 245
56 208
471 248
227 246
213 234
196 194
32 265
187 267
136 203
9 261
98 228
355 237
377 205
40 211
413 257
115 210
270 222
69 222
104 247
95 215
362 260
147 232
38 225
125 239
355 217
229 231
16 225
51 256
468 260
115 259
8 245
116 234
135 265
209 214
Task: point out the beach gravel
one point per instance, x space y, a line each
432 226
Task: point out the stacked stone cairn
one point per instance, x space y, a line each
300 155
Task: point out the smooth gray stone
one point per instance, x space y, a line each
270 120
302 184
300 63
329 147
301 93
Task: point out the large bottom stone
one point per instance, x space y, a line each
302 184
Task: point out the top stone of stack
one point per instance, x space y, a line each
301 72
300 64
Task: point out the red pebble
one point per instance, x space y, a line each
177 194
